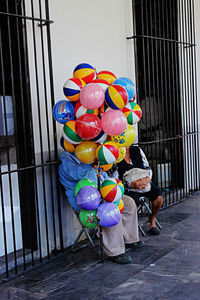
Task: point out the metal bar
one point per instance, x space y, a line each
31 125
161 39
47 126
40 126
54 123
27 18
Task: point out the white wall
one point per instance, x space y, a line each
94 32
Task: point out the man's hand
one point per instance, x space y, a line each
140 184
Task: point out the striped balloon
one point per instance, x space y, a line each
69 133
81 110
107 153
100 138
120 205
72 88
103 83
104 108
132 112
116 96
66 145
106 75
85 72
112 189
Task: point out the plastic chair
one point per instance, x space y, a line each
140 210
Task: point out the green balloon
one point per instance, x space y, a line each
83 182
88 218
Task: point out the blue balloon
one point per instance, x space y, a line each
108 214
128 85
88 198
63 111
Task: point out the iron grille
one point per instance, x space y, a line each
165 55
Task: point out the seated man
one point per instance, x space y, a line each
116 238
135 170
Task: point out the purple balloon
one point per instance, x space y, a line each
109 214
88 198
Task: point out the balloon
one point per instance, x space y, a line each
85 71
66 145
92 96
88 198
128 85
120 205
112 189
81 110
113 122
100 138
108 214
133 112
85 152
72 88
63 111
88 218
104 168
126 138
88 126
104 108
116 96
69 133
107 153
83 182
106 75
103 83
122 154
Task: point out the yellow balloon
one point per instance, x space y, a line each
69 147
126 138
85 152
122 153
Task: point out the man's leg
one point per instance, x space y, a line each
156 205
126 231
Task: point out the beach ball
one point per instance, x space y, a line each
100 138
92 96
107 153
106 75
85 152
66 145
126 138
103 83
120 205
72 88
88 198
122 154
112 189
88 218
113 122
128 85
83 182
88 126
69 133
80 110
104 108
63 111
133 112
103 168
116 96
108 214
85 71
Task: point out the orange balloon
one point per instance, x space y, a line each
104 167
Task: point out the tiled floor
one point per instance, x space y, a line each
166 268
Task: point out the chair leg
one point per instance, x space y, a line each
77 238
141 229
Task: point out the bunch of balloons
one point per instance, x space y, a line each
93 212
97 115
